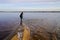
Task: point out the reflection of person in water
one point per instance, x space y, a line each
21 17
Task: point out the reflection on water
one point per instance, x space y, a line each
10 21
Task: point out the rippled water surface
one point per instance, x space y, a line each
10 21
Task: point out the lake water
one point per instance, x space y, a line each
7 20
10 21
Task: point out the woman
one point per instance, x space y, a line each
21 17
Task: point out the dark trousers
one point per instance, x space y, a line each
21 22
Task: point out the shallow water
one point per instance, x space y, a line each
10 21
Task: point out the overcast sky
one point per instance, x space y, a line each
22 1
16 4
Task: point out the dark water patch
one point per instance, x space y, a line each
4 34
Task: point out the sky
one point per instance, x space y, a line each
29 1
29 4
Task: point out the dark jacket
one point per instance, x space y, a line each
21 15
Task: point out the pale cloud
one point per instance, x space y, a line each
29 4
28 1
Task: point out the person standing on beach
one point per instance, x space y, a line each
20 29
21 17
